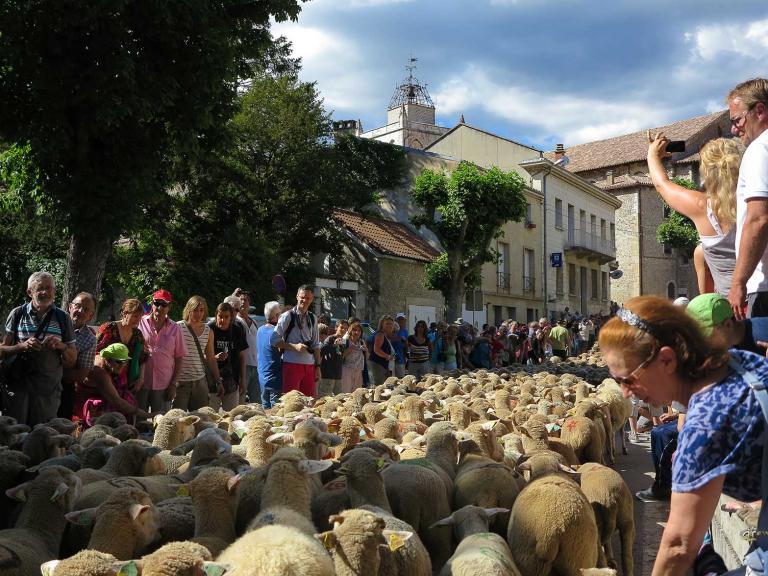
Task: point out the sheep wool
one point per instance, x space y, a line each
173 428
84 563
175 559
277 551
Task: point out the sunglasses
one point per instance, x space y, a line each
160 303
632 377
119 361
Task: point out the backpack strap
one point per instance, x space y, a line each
291 324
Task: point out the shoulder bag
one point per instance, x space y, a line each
212 386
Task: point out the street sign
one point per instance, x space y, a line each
556 258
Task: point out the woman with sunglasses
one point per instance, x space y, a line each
106 388
658 352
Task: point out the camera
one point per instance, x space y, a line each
676 146
308 343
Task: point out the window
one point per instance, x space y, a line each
571 278
593 225
529 268
604 285
559 280
512 313
683 259
497 319
530 315
671 290
528 213
594 284
613 232
667 249
558 213
571 224
602 228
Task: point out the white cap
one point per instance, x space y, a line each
681 301
400 315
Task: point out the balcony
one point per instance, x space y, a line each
503 283
591 246
529 284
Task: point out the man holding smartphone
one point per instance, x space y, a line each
296 334
748 109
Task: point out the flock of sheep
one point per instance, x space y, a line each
498 472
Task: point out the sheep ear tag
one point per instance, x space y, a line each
381 464
183 490
396 539
216 568
314 466
48 568
128 569
61 489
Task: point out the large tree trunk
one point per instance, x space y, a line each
453 300
86 262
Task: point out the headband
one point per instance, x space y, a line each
626 315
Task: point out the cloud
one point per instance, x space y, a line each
711 41
574 118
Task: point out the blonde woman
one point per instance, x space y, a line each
382 358
354 355
714 212
193 388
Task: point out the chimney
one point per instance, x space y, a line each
559 152
609 177
461 120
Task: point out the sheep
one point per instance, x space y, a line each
357 545
614 509
583 435
176 559
479 552
442 454
536 438
122 525
10 431
620 409
94 433
84 563
277 551
552 528
126 432
111 419
130 458
62 425
387 428
176 519
258 448
173 428
44 442
13 464
214 494
41 522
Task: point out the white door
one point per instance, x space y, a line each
416 313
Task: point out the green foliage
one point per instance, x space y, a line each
465 210
679 231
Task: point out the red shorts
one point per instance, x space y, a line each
299 377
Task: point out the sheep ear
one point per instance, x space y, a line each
137 510
341 471
488 425
18 493
152 451
188 421
444 522
282 428
491 512
49 568
156 420
281 438
61 490
335 520
84 517
233 483
327 539
314 466
331 439
462 436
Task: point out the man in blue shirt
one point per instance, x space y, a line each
269 360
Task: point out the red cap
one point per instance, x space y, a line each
162 295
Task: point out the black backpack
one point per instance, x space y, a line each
294 319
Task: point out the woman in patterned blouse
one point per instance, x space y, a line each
126 331
658 352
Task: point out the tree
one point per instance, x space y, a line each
676 230
114 98
465 210
262 202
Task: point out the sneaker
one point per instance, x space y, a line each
650 495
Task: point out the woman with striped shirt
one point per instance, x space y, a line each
192 392
419 351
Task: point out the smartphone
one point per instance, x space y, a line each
676 146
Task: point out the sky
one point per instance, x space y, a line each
539 72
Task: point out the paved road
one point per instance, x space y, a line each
637 470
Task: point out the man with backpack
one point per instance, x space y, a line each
297 336
39 342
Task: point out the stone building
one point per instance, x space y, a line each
618 165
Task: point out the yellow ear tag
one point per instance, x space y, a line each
128 569
380 463
395 542
327 542
183 490
240 432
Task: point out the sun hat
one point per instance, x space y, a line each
709 310
116 351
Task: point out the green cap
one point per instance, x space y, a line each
116 351
709 310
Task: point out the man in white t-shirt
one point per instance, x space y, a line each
748 108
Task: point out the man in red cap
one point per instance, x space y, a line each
165 344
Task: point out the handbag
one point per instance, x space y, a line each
212 386
756 561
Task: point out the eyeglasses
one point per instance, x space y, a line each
738 122
118 361
160 303
632 377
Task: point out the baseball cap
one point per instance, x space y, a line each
116 351
709 310
681 301
400 315
162 295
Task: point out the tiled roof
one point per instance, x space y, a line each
633 147
387 236
624 181
692 159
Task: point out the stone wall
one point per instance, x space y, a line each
401 283
627 247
